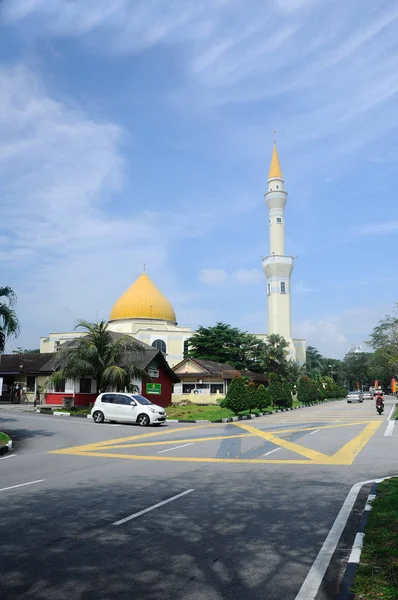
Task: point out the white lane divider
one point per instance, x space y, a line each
9 456
142 512
369 501
312 432
175 448
390 428
12 487
272 451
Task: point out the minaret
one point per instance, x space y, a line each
277 267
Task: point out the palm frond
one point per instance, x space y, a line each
7 292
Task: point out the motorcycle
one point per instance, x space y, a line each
380 407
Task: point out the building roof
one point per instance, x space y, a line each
275 168
142 359
31 363
215 369
143 300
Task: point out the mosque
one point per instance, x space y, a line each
146 314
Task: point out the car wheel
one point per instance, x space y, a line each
348 401
143 420
98 417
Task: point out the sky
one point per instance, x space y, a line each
137 132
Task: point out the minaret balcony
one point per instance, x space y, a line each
278 265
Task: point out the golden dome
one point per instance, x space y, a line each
143 300
275 168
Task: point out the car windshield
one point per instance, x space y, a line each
142 400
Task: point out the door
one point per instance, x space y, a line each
109 406
126 409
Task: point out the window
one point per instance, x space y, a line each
216 387
153 372
269 221
85 386
279 220
186 348
30 383
141 399
277 187
124 400
283 287
60 386
159 345
187 388
107 398
268 289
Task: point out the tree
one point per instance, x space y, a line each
381 368
99 356
384 337
307 391
237 396
275 357
225 344
357 369
262 397
9 324
313 361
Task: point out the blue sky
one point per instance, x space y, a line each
137 132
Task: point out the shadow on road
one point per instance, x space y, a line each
243 536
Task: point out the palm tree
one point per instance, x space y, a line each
9 324
98 355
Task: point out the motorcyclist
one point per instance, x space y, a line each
379 400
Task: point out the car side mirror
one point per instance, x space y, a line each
133 403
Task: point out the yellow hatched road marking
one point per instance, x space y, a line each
344 456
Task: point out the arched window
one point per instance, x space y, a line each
186 348
159 345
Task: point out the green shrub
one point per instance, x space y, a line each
262 396
237 397
251 402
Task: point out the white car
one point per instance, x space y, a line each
131 408
354 397
367 396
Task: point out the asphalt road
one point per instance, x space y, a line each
255 503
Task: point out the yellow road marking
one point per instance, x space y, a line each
344 456
347 453
204 439
296 448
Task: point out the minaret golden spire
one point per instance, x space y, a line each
275 168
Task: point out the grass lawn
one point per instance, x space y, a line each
74 411
377 575
395 415
207 413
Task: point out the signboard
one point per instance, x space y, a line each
154 388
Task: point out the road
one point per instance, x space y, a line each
249 504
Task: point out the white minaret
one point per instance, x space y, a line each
278 267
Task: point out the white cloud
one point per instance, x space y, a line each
333 334
213 276
248 275
68 247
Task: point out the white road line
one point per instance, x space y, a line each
175 448
312 432
337 420
355 555
391 411
312 582
271 451
9 456
142 512
390 428
12 487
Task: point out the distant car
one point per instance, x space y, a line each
376 391
129 408
367 396
354 397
